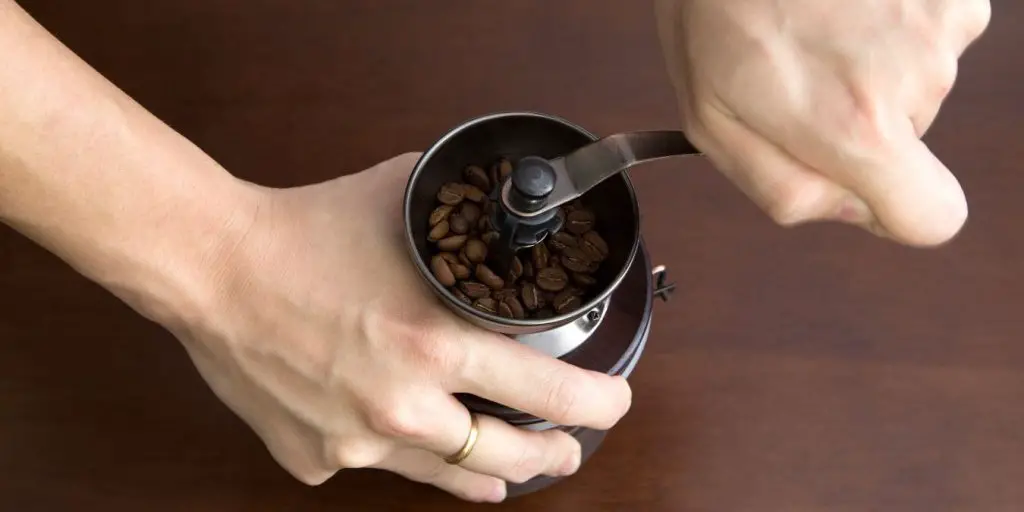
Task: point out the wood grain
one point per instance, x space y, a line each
809 369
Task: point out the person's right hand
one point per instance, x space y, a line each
331 347
815 108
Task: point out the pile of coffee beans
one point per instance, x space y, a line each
553 277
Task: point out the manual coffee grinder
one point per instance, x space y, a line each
553 163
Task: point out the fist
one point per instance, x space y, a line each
815 109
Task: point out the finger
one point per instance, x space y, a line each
425 467
789 191
441 426
516 455
502 370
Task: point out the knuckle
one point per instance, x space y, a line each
395 419
561 398
527 465
433 349
354 455
793 201
423 340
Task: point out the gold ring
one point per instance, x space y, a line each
474 434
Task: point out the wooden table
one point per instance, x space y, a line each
814 369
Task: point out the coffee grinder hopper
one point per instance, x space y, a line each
529 197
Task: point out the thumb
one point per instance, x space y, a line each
913 196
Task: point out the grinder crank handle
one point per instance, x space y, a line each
537 185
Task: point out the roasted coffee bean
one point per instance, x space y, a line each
451 193
452 243
484 224
554 261
561 241
476 251
463 258
474 289
503 294
462 296
544 313
440 213
531 296
477 177
458 225
584 280
552 279
439 231
442 272
594 265
473 194
515 270
459 270
487 305
490 237
565 302
504 311
595 246
574 259
579 221
540 255
512 303
500 170
527 270
488 277
470 212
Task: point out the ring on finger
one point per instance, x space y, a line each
467 447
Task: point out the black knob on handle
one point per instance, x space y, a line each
532 182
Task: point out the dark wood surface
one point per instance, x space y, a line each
813 369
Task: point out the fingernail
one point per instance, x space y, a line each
498 494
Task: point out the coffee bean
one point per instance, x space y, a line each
462 296
458 225
579 221
459 270
540 255
440 213
503 294
500 170
584 280
488 277
477 177
574 259
565 302
438 232
476 251
487 305
474 289
451 243
504 311
527 270
595 246
531 296
552 279
470 212
515 270
561 241
512 303
442 272
473 194
451 193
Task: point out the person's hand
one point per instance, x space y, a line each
332 348
815 108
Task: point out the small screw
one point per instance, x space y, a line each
593 316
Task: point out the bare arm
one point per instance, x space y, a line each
92 176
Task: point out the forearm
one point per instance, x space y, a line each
92 176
